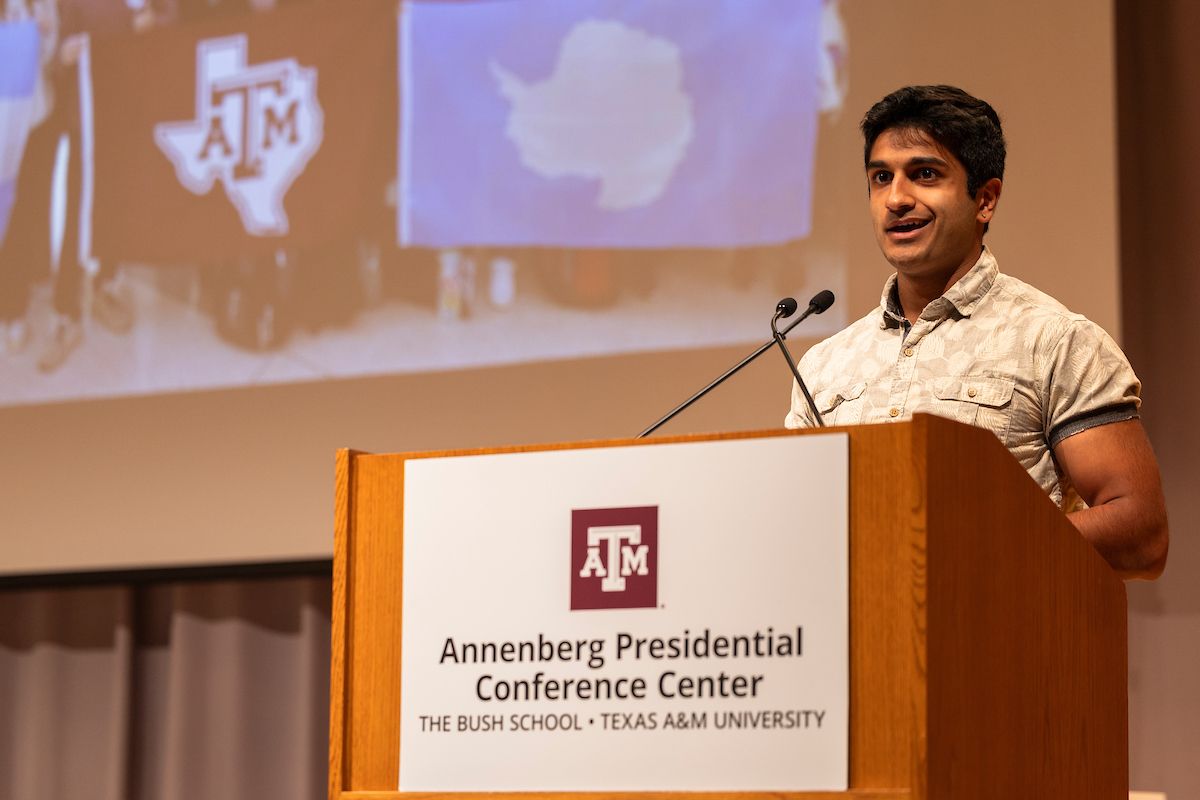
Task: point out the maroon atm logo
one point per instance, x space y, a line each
614 557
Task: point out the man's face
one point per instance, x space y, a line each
925 222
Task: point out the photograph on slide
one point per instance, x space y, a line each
200 196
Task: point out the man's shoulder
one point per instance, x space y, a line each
1046 324
1014 297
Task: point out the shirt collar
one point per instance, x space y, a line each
964 296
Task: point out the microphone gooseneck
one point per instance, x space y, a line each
818 305
784 308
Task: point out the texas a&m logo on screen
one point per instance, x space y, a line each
614 557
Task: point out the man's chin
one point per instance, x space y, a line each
905 259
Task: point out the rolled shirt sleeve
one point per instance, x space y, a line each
1087 382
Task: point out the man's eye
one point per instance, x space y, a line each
926 174
881 177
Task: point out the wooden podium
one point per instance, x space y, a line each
987 638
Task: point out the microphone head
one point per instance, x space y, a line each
821 301
786 307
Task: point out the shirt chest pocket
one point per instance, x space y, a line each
983 401
842 406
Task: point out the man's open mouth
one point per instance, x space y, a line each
907 225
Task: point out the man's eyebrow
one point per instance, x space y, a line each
915 161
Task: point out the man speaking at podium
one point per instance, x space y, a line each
953 336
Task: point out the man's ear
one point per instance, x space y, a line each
986 200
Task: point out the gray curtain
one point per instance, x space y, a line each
195 689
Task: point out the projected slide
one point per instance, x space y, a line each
211 195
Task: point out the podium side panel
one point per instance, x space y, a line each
1027 636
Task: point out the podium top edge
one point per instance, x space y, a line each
584 444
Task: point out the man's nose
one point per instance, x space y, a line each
899 198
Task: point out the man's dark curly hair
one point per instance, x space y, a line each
966 126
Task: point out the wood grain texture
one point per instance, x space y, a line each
1027 635
887 577
373 624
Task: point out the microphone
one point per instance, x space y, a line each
783 309
821 302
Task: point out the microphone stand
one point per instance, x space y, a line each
812 308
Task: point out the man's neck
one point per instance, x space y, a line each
915 292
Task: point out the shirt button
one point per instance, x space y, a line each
895 412
908 351
971 392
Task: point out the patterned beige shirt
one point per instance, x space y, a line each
992 352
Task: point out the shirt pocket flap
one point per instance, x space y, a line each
984 391
830 399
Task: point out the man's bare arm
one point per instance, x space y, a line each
1114 470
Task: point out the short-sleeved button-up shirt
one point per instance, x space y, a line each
992 352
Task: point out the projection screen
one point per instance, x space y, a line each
239 236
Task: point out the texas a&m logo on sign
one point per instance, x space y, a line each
256 128
614 557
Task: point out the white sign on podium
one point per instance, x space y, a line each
660 618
